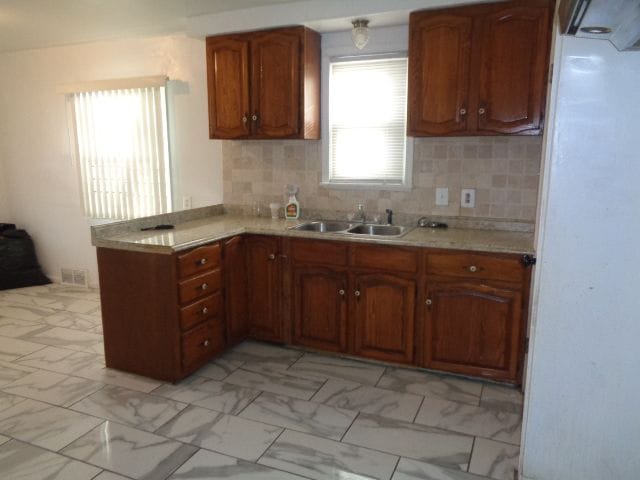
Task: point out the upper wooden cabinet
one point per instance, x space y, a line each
264 84
479 70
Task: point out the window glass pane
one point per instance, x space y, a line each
122 151
367 120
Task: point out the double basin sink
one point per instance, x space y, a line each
368 229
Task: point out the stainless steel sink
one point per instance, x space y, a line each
372 230
323 227
378 230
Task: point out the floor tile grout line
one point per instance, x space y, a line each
471 453
270 445
395 467
348 428
419 408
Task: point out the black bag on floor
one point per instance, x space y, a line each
19 266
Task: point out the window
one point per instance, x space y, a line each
367 122
122 151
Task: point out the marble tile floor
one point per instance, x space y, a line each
258 412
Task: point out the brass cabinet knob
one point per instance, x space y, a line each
202 261
204 286
205 310
463 111
357 293
482 111
206 343
272 256
341 291
473 269
428 302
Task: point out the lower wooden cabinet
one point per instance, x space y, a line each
320 308
264 290
346 300
161 314
164 316
383 317
473 329
235 283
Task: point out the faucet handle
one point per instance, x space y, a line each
389 213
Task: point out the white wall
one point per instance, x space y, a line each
582 419
42 183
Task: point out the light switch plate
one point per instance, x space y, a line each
468 198
442 196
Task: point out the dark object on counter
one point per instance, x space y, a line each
426 223
19 266
159 227
389 216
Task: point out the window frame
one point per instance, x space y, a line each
329 56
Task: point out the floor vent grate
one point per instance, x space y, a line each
77 277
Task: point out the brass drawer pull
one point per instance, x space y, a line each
204 286
205 310
428 302
206 343
202 261
473 269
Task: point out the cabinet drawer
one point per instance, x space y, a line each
198 312
471 265
198 260
385 258
202 342
322 252
200 286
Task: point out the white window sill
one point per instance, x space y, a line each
366 186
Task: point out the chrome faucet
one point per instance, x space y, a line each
360 215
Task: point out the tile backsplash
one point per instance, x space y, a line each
503 170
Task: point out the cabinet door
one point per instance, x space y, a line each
235 284
263 286
320 308
275 73
512 70
439 56
228 85
473 329
384 317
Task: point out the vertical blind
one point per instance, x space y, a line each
367 121
122 152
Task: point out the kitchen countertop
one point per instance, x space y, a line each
192 233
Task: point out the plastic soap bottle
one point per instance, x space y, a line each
292 208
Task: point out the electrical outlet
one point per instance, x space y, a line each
186 203
442 196
468 198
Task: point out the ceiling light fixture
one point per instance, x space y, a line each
360 33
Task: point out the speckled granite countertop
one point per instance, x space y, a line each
194 232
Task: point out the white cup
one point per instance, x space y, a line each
275 210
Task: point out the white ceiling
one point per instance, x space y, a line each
26 24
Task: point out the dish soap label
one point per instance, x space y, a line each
292 208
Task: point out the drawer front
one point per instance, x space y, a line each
199 287
198 260
321 251
201 343
385 258
471 265
198 312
